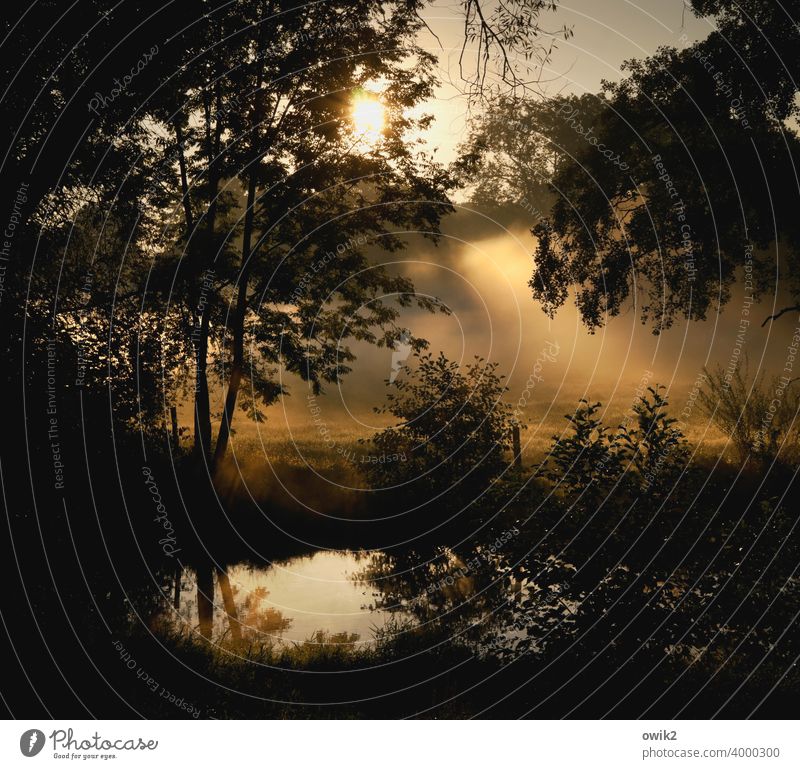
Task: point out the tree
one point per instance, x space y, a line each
260 108
77 136
258 200
316 193
227 163
685 177
514 149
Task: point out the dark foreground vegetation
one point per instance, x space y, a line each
620 577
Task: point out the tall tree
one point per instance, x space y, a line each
220 149
514 149
683 177
263 135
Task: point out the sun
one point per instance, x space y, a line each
369 116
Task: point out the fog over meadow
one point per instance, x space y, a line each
480 272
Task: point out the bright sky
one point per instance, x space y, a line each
605 34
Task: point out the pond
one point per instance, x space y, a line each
305 598
347 597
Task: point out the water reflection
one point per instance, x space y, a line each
292 601
354 597
480 596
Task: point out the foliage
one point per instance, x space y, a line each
657 448
513 150
454 431
585 462
759 417
506 39
692 207
542 615
593 459
264 119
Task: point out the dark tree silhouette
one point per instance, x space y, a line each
226 165
683 178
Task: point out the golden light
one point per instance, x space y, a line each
369 116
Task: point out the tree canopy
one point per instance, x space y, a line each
676 181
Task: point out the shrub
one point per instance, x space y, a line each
586 460
454 429
592 457
657 448
759 418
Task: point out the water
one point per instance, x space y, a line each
306 598
346 597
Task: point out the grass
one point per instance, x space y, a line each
250 679
274 452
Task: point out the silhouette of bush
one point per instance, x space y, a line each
453 432
590 460
584 463
758 417
656 447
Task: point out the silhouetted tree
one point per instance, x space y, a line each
514 149
684 177
227 164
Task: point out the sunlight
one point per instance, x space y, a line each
369 116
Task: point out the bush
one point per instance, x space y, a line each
454 429
588 461
759 418
657 448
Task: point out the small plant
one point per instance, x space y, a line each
588 459
759 418
657 449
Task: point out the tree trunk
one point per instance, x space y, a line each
202 405
237 363
187 203
173 417
202 410
177 577
205 599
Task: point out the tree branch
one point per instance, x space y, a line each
795 308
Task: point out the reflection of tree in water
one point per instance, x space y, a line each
258 620
459 589
543 610
324 638
401 582
246 619
494 601
478 595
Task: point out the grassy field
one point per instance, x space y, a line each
346 448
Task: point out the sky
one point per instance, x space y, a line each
605 34
481 269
